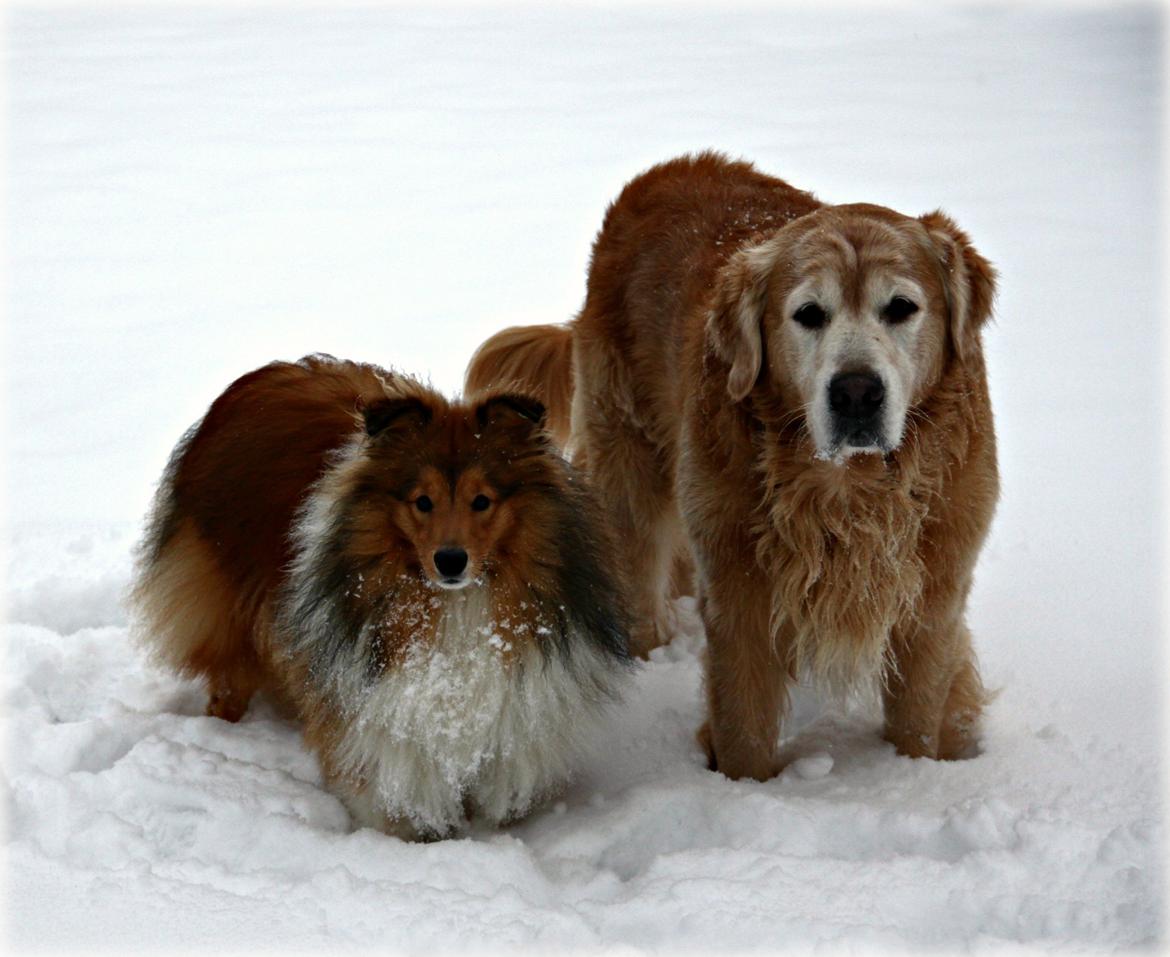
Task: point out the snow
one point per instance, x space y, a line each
194 191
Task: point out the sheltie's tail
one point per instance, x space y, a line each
535 360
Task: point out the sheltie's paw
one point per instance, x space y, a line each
226 704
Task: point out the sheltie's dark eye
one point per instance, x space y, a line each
480 503
423 504
899 309
811 316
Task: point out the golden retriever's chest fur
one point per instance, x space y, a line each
849 545
842 544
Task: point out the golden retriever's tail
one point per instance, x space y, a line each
535 360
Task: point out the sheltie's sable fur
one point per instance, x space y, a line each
733 332
295 547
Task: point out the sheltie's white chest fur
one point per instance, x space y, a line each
462 726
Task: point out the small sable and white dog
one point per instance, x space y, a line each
424 583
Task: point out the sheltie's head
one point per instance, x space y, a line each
453 487
433 497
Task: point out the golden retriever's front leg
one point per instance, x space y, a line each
746 679
643 517
933 696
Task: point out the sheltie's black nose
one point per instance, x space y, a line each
450 562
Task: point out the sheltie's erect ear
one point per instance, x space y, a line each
510 410
404 412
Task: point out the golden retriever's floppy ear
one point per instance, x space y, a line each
510 409
381 414
737 313
968 278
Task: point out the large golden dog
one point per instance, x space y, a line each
795 393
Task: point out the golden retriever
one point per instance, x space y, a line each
795 393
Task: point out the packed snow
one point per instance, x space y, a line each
192 192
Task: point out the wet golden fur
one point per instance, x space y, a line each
690 415
289 551
533 360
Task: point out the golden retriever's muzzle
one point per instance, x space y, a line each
857 403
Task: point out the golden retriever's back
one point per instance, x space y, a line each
662 239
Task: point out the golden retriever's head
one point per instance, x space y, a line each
850 315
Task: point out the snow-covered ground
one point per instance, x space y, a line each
192 192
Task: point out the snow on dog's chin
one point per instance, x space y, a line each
846 447
841 451
832 446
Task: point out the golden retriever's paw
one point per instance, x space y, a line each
645 638
759 768
912 744
707 745
959 739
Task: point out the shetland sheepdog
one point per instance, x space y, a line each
426 584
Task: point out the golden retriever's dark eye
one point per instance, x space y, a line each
480 503
423 504
899 309
811 316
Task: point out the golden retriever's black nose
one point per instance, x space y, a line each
856 395
450 562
